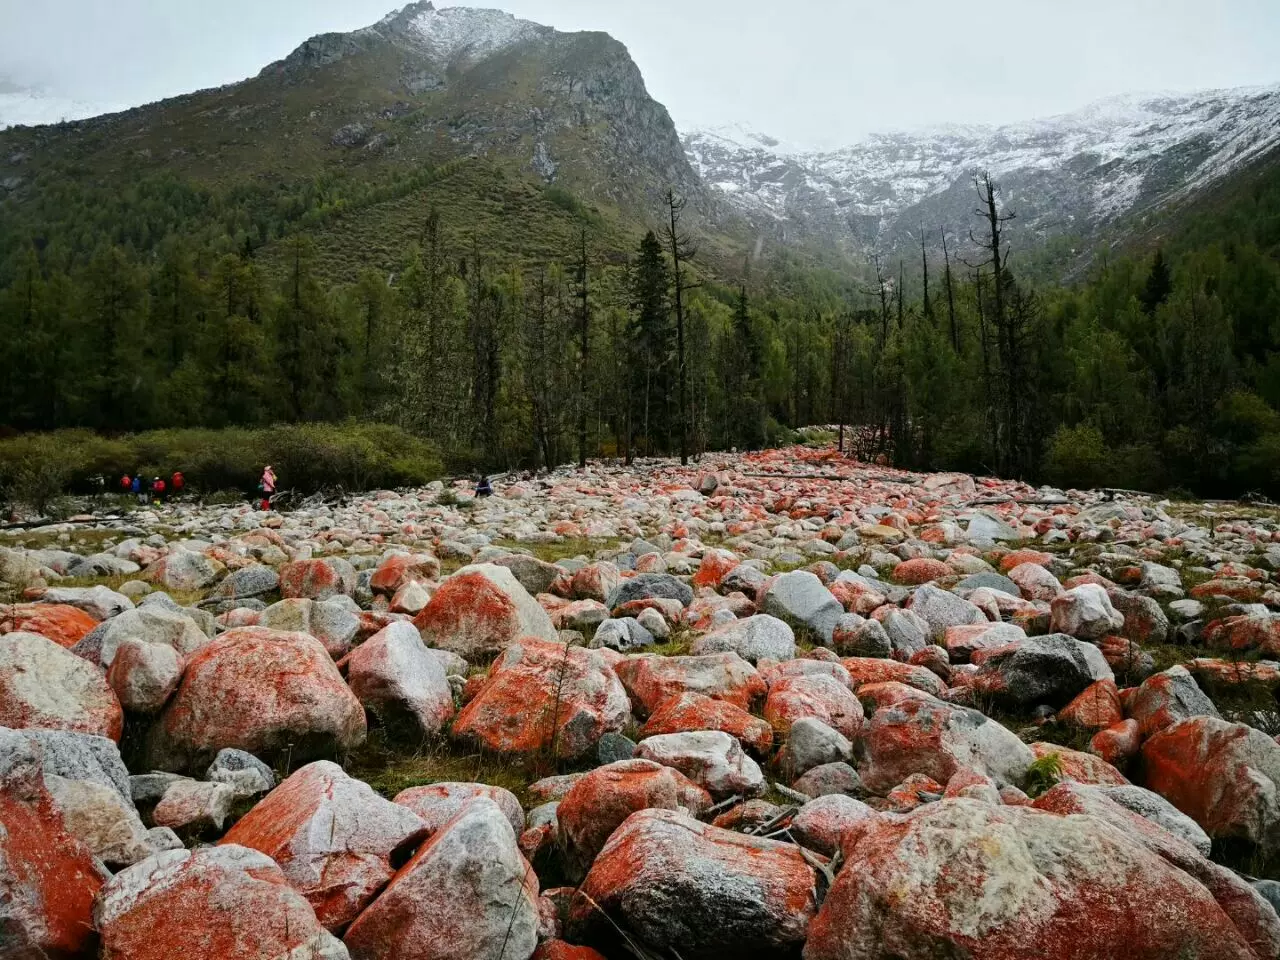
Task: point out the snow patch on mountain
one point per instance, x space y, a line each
33 108
1090 166
471 32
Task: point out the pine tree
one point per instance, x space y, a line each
650 346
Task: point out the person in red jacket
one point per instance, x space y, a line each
158 489
126 484
179 482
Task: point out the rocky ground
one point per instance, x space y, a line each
776 705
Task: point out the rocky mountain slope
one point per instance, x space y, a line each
375 110
1070 175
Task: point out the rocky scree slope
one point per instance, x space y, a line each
790 705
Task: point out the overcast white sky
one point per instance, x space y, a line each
817 71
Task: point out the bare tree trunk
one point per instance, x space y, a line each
682 250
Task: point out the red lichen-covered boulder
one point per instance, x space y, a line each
317 579
263 691
438 803
1166 698
1096 708
920 570
1118 744
595 581
820 697
467 894
400 569
216 903
1016 558
864 670
559 950
715 564
541 695
598 804
48 879
694 711
334 838
45 685
964 878
1081 767
652 680
1241 634
1224 776
964 641
479 611
938 739
1252 916
696 890
65 625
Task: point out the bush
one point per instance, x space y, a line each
34 468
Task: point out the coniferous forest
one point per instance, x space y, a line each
1158 368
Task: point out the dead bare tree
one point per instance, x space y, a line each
951 296
1010 329
584 350
682 249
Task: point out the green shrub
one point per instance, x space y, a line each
35 468
1044 774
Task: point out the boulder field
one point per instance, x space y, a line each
776 705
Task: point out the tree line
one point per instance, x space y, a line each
1159 371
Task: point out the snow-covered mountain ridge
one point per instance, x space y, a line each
1066 174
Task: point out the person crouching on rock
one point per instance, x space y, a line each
484 488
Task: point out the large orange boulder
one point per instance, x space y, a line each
1167 697
467 894
652 680
542 696
1224 776
939 739
65 625
601 801
696 891
400 569
714 566
263 691
211 903
817 696
479 611
317 579
865 670
334 838
48 879
45 685
966 878
921 570
695 711
1095 708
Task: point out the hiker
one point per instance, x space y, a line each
267 486
158 490
138 488
179 482
484 488
126 483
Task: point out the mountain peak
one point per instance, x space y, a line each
469 32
